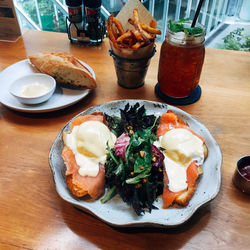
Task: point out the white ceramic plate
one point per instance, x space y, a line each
116 212
63 96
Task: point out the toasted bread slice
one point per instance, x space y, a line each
75 190
184 198
200 167
65 68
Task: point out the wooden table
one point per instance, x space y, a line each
32 214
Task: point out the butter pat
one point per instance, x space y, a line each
34 90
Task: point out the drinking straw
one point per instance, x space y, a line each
197 12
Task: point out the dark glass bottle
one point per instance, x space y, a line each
74 22
75 10
94 23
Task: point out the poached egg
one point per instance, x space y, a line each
180 148
88 142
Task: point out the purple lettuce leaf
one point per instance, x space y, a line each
158 156
121 145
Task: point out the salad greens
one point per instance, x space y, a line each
179 27
130 117
133 169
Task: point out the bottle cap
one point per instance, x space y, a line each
92 3
73 3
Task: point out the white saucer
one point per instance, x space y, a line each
63 96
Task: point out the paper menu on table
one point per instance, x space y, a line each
9 26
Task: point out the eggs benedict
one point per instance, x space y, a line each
184 153
84 154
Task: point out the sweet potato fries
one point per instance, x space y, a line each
140 36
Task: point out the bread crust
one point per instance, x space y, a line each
65 68
75 190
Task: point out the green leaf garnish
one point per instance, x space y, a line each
179 27
193 31
109 195
184 20
176 27
140 176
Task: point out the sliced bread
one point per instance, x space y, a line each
65 68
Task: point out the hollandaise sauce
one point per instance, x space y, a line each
88 142
181 147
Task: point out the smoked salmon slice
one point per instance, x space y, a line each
78 184
97 116
181 198
168 121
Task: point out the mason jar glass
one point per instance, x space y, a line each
181 59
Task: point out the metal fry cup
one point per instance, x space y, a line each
131 72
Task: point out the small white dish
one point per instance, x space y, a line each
19 84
